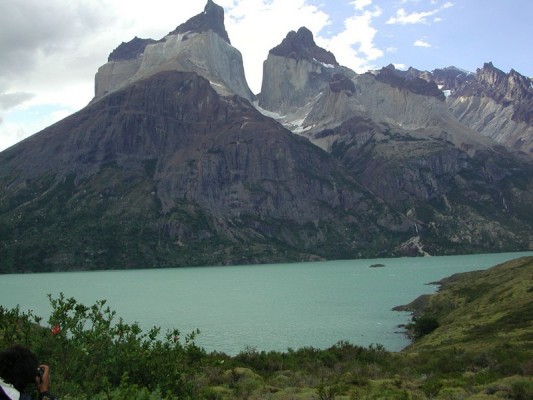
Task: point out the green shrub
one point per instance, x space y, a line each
90 352
522 390
424 325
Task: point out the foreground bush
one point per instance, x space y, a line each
91 352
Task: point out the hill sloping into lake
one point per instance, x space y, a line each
479 310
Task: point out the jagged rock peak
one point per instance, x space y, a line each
211 19
301 46
490 74
130 50
513 86
409 81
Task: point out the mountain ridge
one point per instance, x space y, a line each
490 101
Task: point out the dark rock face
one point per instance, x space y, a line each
130 50
211 19
301 45
165 173
506 89
339 83
296 71
415 85
453 197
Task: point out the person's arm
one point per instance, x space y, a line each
43 384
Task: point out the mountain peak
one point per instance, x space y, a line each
512 87
199 45
300 45
490 74
211 19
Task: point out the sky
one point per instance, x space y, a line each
50 50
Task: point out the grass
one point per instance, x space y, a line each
477 310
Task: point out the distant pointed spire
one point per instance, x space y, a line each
301 45
211 19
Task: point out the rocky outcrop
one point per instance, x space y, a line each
415 85
301 45
395 131
295 72
452 195
448 79
309 97
200 45
130 50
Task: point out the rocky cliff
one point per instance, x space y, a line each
294 73
167 172
395 131
498 105
494 103
200 45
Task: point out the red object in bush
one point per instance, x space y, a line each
55 330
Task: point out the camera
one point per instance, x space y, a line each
40 372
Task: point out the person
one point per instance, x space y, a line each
18 369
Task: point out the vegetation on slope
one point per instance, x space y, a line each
479 310
481 349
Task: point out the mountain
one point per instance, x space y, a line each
494 103
168 172
175 162
397 135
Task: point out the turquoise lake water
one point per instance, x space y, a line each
265 307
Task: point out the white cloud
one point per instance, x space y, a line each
361 4
9 100
10 134
416 17
256 26
402 18
421 43
354 47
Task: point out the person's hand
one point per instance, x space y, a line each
43 382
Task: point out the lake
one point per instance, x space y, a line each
265 307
